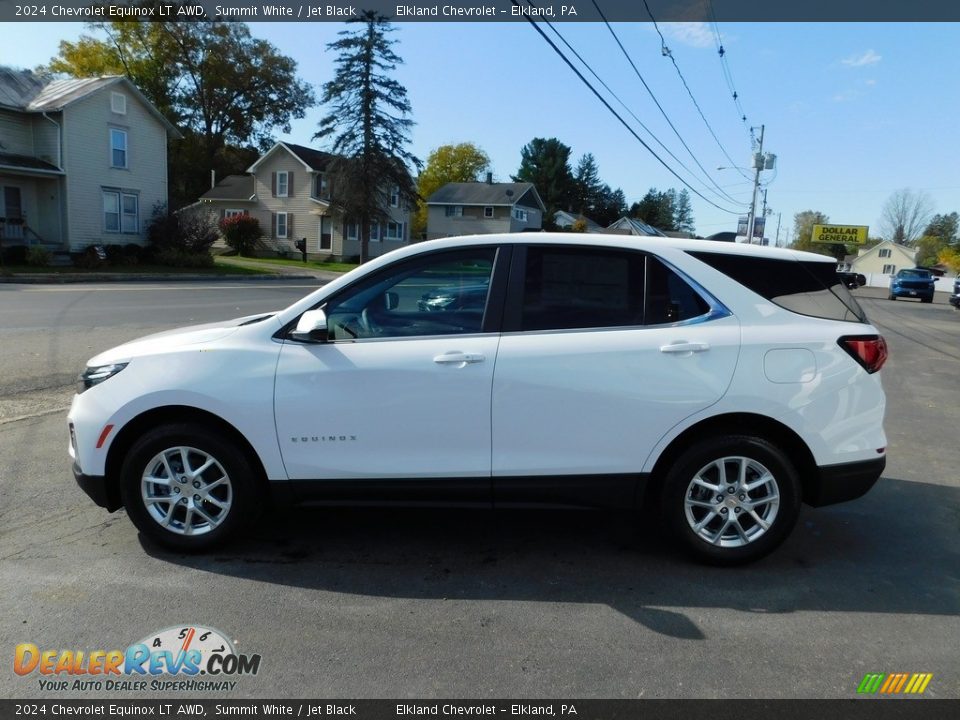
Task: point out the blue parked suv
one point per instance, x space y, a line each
912 283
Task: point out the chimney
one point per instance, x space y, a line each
489 178
213 179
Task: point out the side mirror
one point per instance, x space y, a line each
312 327
391 300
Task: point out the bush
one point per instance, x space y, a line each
38 256
241 232
114 254
189 231
15 255
174 257
91 258
132 254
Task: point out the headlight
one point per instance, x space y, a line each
96 375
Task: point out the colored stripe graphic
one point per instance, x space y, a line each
894 683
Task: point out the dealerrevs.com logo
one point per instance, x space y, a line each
894 683
168 660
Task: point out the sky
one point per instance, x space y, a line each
853 112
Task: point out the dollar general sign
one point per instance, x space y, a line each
843 234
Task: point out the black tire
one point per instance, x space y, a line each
926 300
239 493
891 296
752 541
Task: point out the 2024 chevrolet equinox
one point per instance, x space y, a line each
716 385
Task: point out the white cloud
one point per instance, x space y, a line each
870 83
867 58
695 34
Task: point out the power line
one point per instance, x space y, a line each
657 102
573 50
728 76
668 53
623 122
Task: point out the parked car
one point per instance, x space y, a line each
955 298
853 280
913 283
717 386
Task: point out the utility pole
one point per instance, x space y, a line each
778 229
758 166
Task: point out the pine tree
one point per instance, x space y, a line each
368 126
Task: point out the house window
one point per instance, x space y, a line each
454 210
394 231
229 213
351 230
889 269
281 219
121 212
118 103
283 184
488 212
520 214
375 232
323 187
395 196
884 252
118 148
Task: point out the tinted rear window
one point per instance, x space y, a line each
806 288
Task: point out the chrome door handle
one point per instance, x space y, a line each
458 358
684 348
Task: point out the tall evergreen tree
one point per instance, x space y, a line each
546 164
367 126
683 212
587 188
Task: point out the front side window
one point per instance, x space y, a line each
441 294
118 148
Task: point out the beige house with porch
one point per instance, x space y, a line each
288 190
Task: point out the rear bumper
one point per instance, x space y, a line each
97 488
839 483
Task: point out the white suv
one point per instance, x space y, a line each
719 385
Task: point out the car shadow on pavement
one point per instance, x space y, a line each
893 551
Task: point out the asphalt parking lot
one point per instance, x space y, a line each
453 603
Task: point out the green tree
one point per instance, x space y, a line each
610 206
463 162
367 125
657 209
946 227
223 87
587 187
803 223
546 164
683 212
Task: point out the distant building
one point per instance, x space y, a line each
474 208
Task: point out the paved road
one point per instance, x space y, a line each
467 604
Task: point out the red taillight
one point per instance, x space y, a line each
868 350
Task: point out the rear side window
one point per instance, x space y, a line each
576 287
804 287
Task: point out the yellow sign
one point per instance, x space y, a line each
842 234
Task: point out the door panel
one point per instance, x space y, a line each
597 401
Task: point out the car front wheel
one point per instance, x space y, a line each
187 487
732 500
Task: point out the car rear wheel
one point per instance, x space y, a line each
731 500
187 487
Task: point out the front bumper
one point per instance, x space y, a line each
839 483
909 292
96 486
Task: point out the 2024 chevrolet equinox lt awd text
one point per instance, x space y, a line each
718 386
